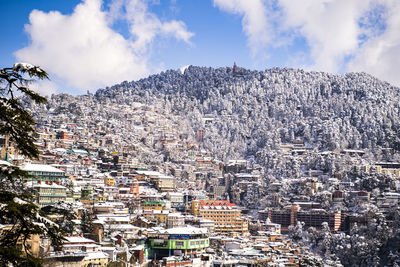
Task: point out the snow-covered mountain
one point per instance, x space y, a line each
249 113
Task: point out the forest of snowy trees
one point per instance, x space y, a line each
256 111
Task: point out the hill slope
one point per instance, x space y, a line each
254 111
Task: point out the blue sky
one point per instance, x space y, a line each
90 44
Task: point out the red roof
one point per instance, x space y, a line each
214 203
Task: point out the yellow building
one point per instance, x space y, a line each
4 147
32 244
160 216
395 172
385 168
153 205
226 215
109 181
45 135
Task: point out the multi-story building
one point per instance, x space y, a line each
199 203
160 216
385 168
175 220
311 218
109 181
188 241
87 247
107 207
45 173
164 183
64 135
153 205
51 193
45 135
176 199
226 215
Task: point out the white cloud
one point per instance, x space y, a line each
83 50
334 31
365 31
380 55
331 28
145 25
255 22
44 87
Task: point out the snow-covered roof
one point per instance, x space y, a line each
242 174
202 220
96 255
107 248
60 149
109 204
151 173
40 168
123 227
188 230
74 245
54 185
175 214
113 218
175 194
79 151
166 177
78 239
152 211
3 162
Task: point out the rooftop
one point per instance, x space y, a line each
3 162
40 168
78 239
188 230
150 173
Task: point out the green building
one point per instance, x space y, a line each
48 194
45 173
188 241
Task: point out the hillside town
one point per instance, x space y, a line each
219 133
134 187
184 211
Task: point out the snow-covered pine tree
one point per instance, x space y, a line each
20 218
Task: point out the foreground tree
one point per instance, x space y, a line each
20 217
87 222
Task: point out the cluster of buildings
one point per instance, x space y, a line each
343 195
144 193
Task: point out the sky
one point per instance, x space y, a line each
91 44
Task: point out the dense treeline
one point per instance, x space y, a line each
256 111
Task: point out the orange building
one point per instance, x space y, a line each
64 135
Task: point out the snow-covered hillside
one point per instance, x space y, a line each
252 112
